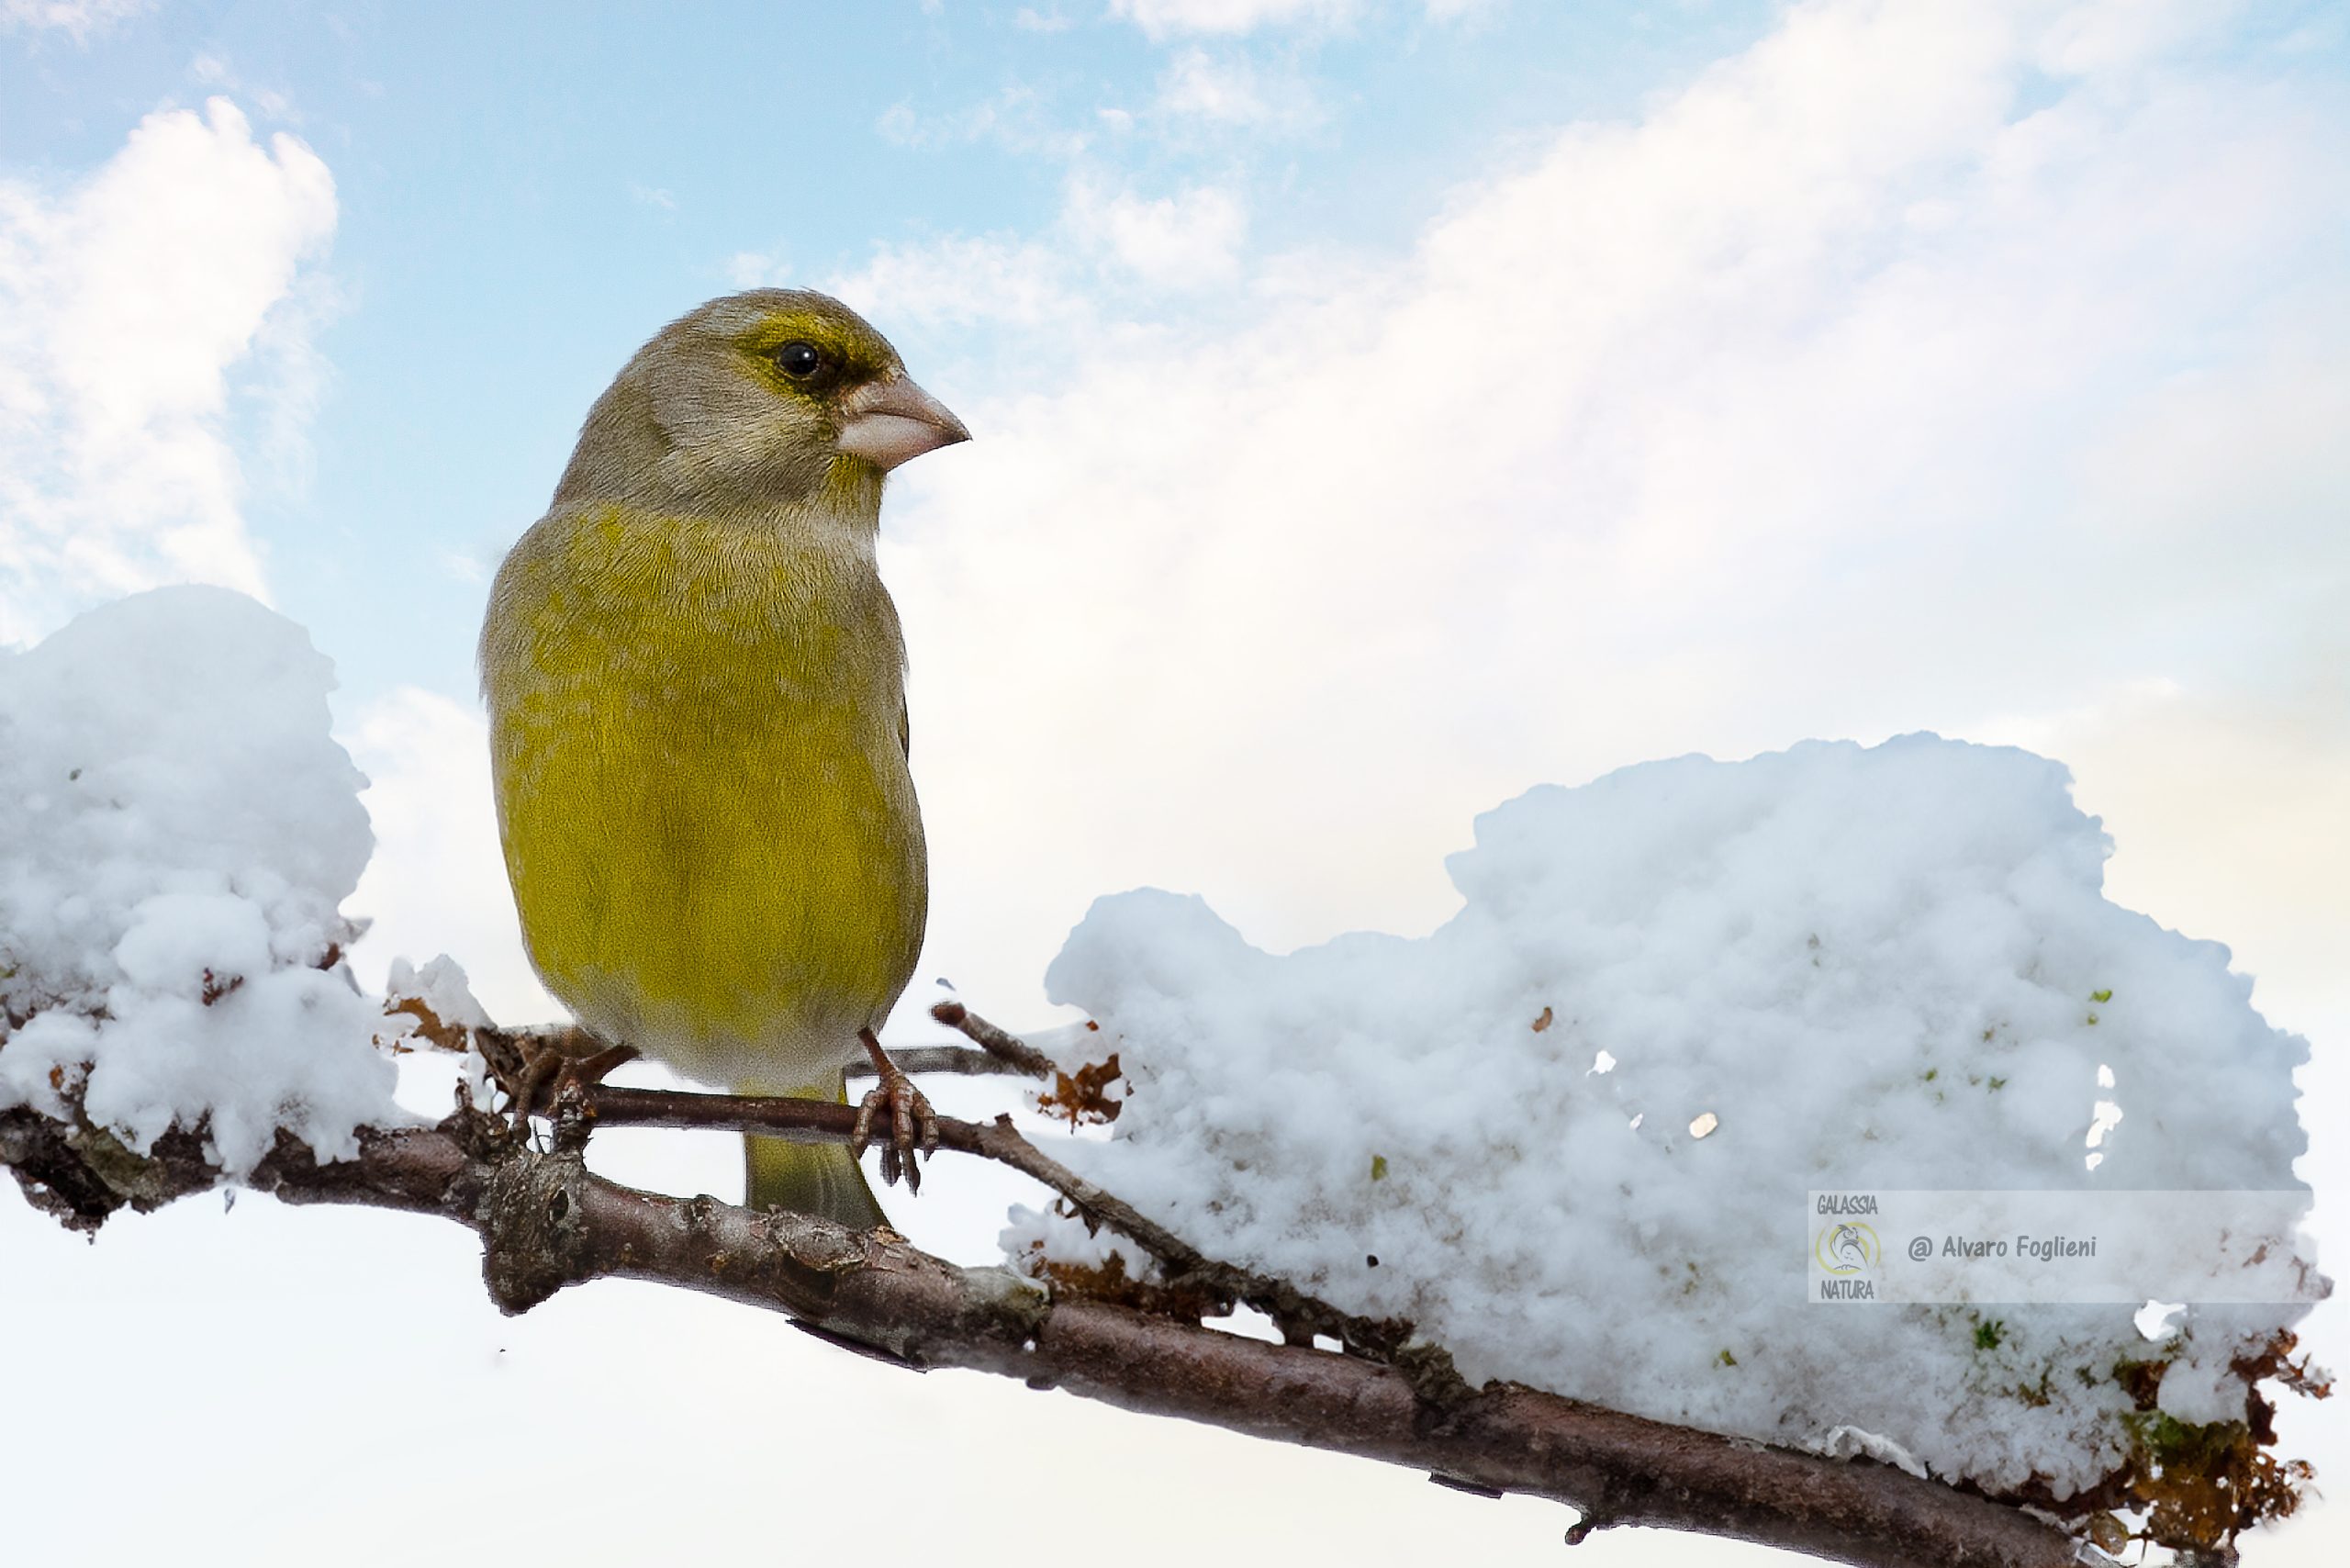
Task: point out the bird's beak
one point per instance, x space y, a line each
894 422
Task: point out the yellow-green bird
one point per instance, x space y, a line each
697 719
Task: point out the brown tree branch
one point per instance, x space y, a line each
1001 1044
921 1059
545 1222
1187 1270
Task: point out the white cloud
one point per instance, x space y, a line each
1105 243
77 19
759 269
1164 18
2100 35
1230 90
1028 19
130 300
1188 241
215 71
1833 395
963 280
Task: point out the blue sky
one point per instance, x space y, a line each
522 192
1383 406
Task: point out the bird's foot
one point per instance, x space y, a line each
911 1118
548 1064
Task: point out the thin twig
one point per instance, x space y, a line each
916 1060
507 1050
996 1042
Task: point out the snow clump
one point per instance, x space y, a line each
1570 1134
178 830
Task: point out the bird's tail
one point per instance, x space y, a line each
810 1178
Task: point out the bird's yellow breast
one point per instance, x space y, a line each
698 735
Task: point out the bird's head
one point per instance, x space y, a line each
769 397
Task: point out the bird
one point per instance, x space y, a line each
698 738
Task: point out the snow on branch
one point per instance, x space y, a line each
1540 1177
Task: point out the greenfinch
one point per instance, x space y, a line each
695 685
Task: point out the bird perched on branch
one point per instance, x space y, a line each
697 721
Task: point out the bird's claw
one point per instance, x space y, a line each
911 1121
547 1068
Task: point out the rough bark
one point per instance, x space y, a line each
546 1223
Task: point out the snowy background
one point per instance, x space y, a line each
1383 408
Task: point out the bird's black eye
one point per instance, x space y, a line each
801 360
